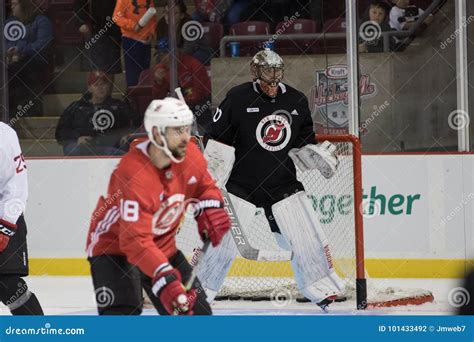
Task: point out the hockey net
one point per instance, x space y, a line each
338 205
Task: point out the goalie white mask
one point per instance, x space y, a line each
168 112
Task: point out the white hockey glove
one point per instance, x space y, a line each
321 157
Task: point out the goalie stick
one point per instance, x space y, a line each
244 247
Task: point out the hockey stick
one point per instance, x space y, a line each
199 257
243 244
244 247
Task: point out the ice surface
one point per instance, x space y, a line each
75 296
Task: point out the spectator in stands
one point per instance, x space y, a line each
192 78
103 38
97 123
189 43
28 54
403 16
374 23
136 40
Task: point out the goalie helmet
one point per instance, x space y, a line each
168 112
267 69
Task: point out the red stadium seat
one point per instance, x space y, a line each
250 28
297 27
213 33
141 95
334 45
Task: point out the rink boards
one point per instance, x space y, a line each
419 219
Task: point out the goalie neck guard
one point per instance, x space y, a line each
168 112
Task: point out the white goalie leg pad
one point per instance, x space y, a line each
215 265
220 161
217 261
312 263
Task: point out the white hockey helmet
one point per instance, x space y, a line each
267 66
168 112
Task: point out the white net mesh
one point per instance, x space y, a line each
334 205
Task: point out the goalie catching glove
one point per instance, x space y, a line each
168 287
7 230
321 157
213 221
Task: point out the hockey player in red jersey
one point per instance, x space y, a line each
131 242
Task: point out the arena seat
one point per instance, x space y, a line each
247 28
213 33
334 45
297 47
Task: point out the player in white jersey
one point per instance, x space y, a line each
14 291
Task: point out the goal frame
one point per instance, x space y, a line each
361 281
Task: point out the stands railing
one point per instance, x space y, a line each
407 35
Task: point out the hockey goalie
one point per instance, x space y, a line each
258 136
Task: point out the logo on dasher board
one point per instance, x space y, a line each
273 132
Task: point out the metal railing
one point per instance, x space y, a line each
331 36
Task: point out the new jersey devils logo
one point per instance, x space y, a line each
273 132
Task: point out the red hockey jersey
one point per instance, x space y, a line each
145 206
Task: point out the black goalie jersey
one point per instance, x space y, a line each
263 130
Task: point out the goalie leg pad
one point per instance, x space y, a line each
218 260
312 262
220 160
